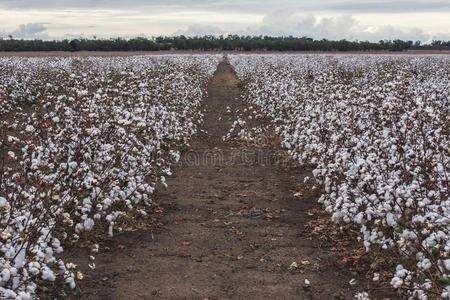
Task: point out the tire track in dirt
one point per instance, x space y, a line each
231 228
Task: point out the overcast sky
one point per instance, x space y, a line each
352 19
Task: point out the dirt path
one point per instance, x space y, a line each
230 230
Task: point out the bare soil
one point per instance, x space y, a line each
230 228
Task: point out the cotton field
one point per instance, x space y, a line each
82 141
376 127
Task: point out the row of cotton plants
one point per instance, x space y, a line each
377 129
83 141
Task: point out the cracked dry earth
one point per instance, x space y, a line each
230 229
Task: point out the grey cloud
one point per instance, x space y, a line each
392 6
342 27
30 31
281 17
284 23
102 4
201 30
244 6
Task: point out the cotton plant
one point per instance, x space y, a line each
376 128
84 141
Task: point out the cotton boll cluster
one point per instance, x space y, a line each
238 128
362 296
245 128
376 127
86 141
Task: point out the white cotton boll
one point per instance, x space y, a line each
359 218
15 281
427 285
57 245
3 202
8 294
11 154
73 164
110 230
418 219
49 257
79 228
107 202
446 292
12 139
390 220
376 277
5 276
88 224
425 264
47 274
34 267
24 296
447 264
396 282
29 128
20 260
95 248
420 294
362 296
71 282
110 218
367 245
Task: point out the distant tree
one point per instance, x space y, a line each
207 42
73 45
436 43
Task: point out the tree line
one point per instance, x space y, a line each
207 43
